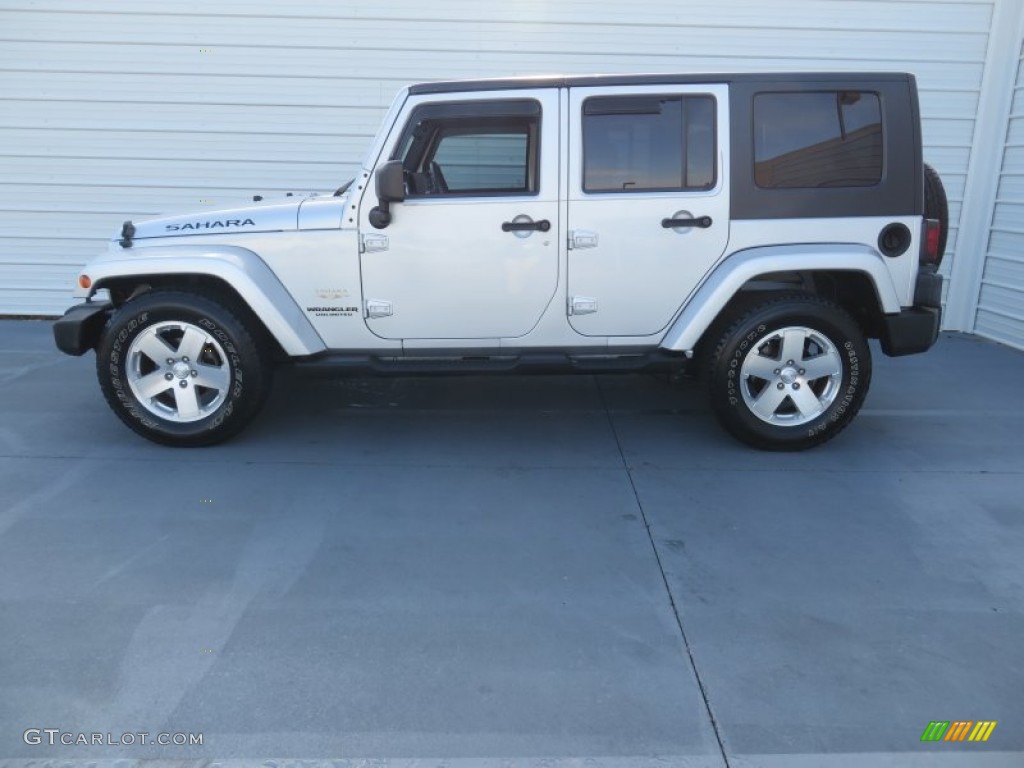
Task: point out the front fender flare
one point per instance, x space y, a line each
736 270
239 267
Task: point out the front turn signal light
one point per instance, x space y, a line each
85 281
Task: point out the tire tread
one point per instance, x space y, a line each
243 337
731 326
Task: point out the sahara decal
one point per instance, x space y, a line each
330 294
211 224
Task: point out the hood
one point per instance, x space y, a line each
262 217
310 212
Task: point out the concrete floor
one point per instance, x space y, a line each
577 571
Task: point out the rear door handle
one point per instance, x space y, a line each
526 226
702 222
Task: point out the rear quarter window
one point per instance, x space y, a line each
817 139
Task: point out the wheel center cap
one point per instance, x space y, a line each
181 370
789 375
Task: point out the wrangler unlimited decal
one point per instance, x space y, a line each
211 224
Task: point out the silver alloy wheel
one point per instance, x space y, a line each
791 376
178 372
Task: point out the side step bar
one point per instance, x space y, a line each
528 363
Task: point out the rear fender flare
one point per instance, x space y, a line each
726 280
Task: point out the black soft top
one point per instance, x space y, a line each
578 81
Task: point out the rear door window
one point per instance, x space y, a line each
648 143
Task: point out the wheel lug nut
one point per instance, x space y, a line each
168 376
796 386
170 361
194 374
182 383
781 385
789 362
184 359
801 371
778 371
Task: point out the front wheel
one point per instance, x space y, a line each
789 373
181 369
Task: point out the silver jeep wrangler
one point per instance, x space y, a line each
754 228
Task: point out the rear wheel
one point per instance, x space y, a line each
789 373
181 369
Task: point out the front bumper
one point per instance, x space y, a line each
915 329
79 329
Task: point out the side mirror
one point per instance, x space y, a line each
390 183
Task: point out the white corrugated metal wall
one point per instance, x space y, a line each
1000 302
114 109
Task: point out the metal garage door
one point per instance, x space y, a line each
114 109
1001 298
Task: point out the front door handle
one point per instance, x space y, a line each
702 222
526 226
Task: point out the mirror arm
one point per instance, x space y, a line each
380 215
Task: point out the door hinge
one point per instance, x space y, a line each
371 243
582 305
375 308
582 238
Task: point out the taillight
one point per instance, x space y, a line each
930 247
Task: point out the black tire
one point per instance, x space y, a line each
827 340
228 379
936 206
